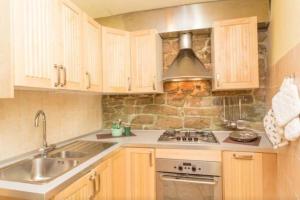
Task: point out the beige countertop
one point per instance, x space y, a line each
143 138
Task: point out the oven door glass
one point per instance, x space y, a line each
172 186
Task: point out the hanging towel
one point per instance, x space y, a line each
274 133
286 103
292 130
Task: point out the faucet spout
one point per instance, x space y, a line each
41 114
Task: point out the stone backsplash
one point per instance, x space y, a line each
190 104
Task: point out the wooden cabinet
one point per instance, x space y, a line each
119 176
146 61
80 189
6 63
249 176
92 79
103 186
70 44
235 54
116 60
141 173
33 32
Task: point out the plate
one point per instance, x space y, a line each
243 136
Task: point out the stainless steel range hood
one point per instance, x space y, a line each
186 66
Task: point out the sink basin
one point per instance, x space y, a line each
37 170
68 154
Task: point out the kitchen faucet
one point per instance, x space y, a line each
45 148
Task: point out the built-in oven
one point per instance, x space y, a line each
188 180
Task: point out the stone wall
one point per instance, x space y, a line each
186 104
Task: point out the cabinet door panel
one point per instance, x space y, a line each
92 55
103 180
70 20
116 60
80 189
33 42
118 163
242 176
143 61
235 54
141 173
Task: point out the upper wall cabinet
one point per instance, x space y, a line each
69 49
146 61
116 60
235 54
33 46
132 62
92 80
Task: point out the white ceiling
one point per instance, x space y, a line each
104 8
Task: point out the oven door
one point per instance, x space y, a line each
172 186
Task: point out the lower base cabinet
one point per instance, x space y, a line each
141 173
249 176
80 189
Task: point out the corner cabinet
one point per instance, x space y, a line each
146 61
141 173
249 176
116 60
235 54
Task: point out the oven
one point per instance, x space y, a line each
188 180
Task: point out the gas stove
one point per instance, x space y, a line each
188 136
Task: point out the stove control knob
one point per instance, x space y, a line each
194 169
180 168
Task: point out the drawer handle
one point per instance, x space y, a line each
243 157
129 84
150 159
64 77
218 80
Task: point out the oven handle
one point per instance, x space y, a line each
188 180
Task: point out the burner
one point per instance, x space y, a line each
188 136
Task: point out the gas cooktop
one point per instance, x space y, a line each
188 136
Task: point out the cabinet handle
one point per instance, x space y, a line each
243 157
150 159
99 183
58 76
153 84
88 75
129 84
65 76
93 180
218 80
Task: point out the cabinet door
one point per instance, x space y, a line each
146 61
116 60
103 180
92 55
118 164
80 189
235 54
141 173
242 176
33 43
70 44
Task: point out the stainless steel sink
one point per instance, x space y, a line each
68 155
37 169
40 170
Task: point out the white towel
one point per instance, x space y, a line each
292 130
274 133
286 103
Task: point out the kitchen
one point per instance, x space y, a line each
181 99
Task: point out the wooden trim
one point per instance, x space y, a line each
207 155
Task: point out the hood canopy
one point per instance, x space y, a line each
186 66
